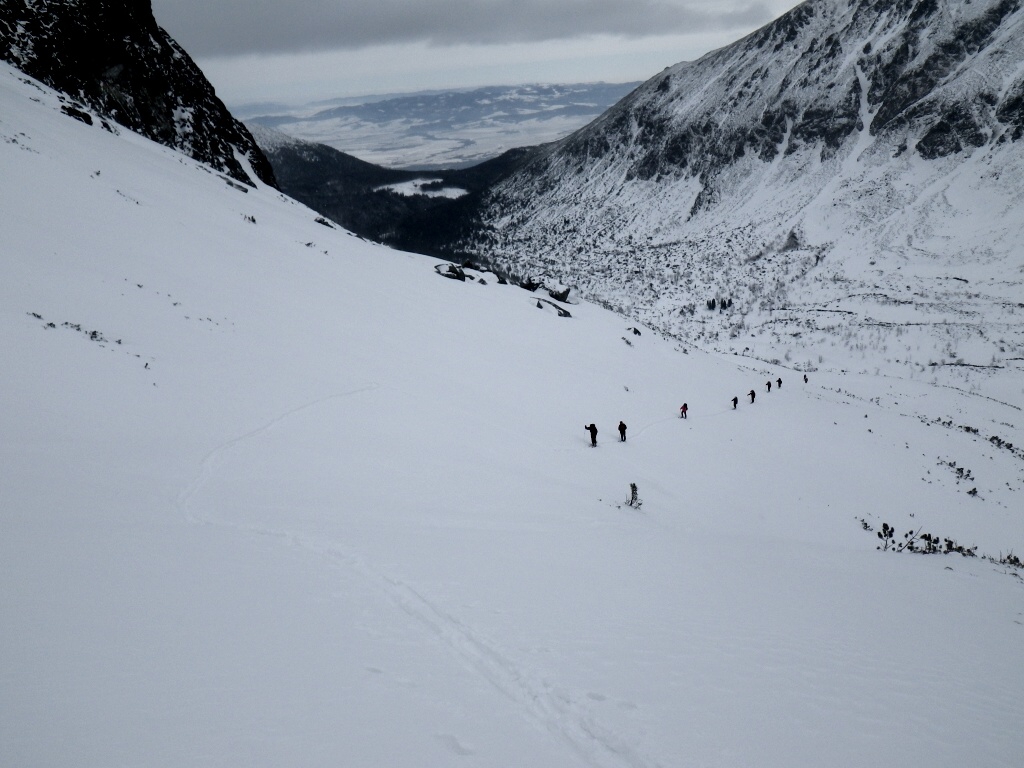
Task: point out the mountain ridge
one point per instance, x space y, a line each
817 159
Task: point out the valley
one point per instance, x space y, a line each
297 462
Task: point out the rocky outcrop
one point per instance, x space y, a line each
114 58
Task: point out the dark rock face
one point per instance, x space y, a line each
113 57
902 86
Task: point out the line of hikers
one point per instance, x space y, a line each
592 429
752 394
683 410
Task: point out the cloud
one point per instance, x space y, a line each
229 28
297 78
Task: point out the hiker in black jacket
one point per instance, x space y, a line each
592 429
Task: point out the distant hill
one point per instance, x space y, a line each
444 129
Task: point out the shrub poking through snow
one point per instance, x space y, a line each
929 544
922 543
634 500
1011 559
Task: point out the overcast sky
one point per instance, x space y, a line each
300 50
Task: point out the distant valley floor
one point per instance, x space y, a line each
448 129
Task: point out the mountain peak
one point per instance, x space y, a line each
926 73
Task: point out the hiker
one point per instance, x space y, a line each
778 382
682 411
735 400
592 429
769 385
752 396
805 378
622 431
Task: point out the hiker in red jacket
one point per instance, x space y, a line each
682 411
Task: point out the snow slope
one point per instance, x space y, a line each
271 495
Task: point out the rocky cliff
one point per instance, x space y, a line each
114 58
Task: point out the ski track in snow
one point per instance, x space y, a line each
553 709
209 461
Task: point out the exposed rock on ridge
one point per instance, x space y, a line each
801 80
115 58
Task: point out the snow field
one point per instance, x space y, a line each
321 506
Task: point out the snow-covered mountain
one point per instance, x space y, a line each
851 174
112 58
272 495
445 129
